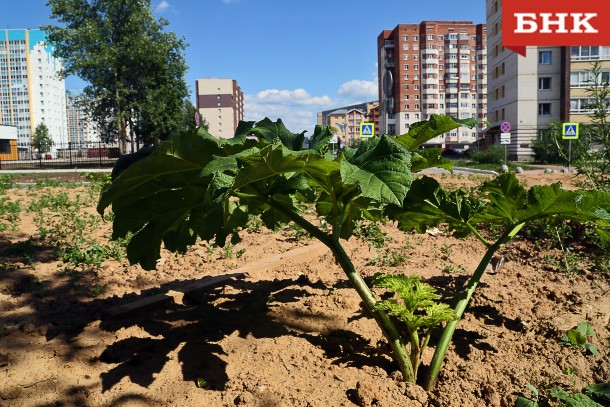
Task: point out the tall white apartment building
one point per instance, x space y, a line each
434 67
221 103
81 129
30 90
527 92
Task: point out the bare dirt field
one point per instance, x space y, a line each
285 329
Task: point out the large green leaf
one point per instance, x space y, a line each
427 205
429 158
381 168
421 132
268 132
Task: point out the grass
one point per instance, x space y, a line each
492 167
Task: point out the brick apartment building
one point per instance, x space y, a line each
434 67
347 120
221 103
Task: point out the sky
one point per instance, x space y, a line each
291 59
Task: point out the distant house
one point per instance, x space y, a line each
8 143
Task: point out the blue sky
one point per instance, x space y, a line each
291 58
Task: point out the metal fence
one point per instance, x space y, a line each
67 155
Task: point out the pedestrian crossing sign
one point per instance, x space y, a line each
367 130
570 131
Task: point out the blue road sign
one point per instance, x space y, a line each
570 130
367 130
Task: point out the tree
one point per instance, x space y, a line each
596 163
42 140
189 124
134 68
550 147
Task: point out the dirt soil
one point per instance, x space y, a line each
289 331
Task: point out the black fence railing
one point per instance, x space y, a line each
67 155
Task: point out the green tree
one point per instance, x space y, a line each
135 69
42 140
189 124
596 163
550 147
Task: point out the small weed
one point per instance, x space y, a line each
97 290
227 251
578 337
240 253
254 224
372 233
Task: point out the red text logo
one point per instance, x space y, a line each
554 23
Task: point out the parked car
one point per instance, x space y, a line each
452 153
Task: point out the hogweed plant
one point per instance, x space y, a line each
195 186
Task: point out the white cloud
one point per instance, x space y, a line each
163 6
359 90
298 96
297 108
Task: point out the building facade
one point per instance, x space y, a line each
31 92
527 92
346 120
582 59
434 67
221 103
81 129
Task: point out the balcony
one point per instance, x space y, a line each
389 62
388 44
465 51
426 81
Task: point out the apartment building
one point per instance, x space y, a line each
31 92
527 92
81 129
221 103
346 120
581 60
434 67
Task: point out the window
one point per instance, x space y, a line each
405 57
583 78
405 38
407 97
544 83
406 77
406 87
431 36
416 67
440 38
544 57
416 87
416 57
544 109
406 67
415 77
415 47
581 105
415 38
405 47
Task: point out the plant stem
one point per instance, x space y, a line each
461 302
387 326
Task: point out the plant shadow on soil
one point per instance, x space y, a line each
203 319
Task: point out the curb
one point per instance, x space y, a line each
475 170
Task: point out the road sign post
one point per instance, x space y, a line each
505 139
570 132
